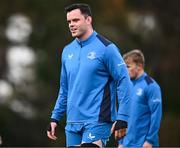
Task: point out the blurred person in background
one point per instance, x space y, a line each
92 73
1 142
146 105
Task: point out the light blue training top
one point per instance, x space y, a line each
93 74
145 113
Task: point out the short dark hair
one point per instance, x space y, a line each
136 55
84 8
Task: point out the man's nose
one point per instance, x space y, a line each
71 24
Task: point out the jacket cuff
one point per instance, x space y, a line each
54 120
122 117
120 124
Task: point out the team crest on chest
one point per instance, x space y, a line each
139 91
91 55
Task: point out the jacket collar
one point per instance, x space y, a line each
88 40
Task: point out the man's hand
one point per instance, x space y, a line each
51 130
118 134
119 129
147 145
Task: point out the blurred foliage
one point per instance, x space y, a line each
110 18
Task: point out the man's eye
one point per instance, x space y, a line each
75 20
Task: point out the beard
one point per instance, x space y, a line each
79 33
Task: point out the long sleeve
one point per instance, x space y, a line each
155 105
61 102
119 73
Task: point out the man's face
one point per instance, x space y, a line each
78 23
133 68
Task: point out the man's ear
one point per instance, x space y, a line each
140 66
89 19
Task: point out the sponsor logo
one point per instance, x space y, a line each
70 56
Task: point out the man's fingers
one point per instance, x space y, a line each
120 133
51 136
116 133
123 132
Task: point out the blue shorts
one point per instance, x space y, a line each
77 133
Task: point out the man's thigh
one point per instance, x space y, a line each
96 131
73 134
